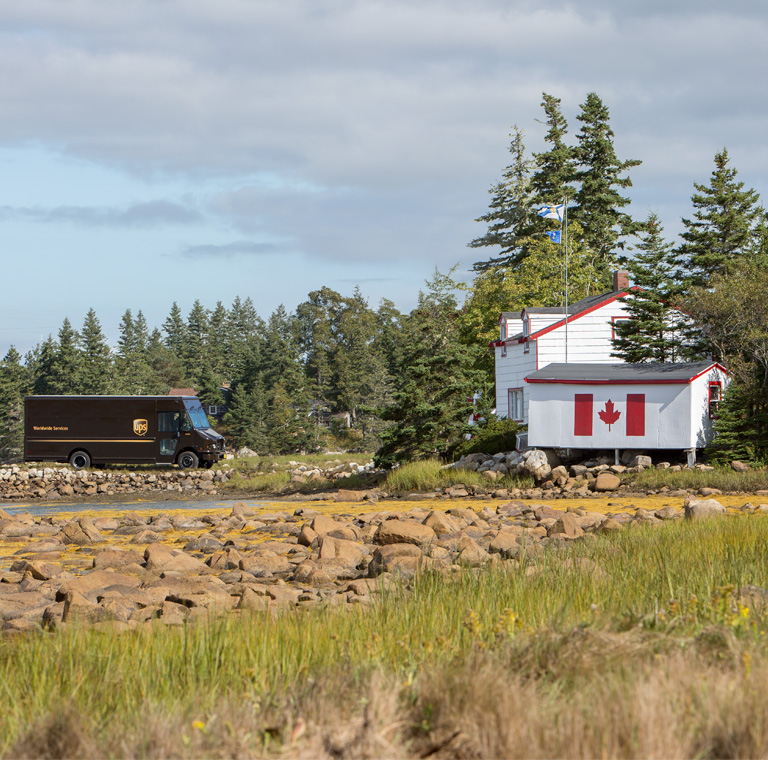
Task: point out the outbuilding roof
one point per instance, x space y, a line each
622 374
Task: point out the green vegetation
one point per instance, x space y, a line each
430 475
600 634
293 381
722 477
490 437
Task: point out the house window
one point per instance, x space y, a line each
503 350
515 396
715 396
614 320
214 410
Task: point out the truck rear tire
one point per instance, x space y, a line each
188 460
80 460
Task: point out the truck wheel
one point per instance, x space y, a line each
188 460
80 460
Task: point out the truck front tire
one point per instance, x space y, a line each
188 460
80 460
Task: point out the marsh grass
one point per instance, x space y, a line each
602 638
429 475
723 478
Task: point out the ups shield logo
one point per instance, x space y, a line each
140 427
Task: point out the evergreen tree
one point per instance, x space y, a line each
653 332
196 358
133 371
246 418
59 369
95 357
244 325
722 231
600 176
433 398
550 182
733 315
15 383
511 214
217 346
42 363
166 366
175 330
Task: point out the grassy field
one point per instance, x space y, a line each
640 644
723 478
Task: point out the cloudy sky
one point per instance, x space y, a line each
154 151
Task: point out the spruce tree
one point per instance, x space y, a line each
511 213
722 231
432 400
15 383
60 371
550 182
175 330
133 370
654 328
95 357
600 177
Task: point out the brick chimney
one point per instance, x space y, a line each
620 281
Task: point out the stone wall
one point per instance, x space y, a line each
52 483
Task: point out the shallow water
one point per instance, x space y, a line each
602 504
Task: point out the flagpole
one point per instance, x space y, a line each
565 222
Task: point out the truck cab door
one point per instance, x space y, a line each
168 434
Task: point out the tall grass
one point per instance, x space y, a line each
642 593
722 478
429 475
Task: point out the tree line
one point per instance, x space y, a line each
409 381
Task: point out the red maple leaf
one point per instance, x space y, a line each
609 415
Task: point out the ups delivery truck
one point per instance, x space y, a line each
86 430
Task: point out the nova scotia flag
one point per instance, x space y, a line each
552 212
554 236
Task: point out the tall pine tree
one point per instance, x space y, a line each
432 400
653 332
600 177
722 230
511 213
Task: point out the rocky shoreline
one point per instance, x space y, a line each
129 570
552 480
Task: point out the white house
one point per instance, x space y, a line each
535 337
624 406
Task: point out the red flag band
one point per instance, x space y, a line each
582 424
636 414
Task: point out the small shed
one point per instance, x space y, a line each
624 406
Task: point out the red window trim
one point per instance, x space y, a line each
614 320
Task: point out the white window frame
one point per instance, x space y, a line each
515 404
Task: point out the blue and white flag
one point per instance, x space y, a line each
552 212
554 236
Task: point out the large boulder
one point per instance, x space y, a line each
404 532
702 509
536 463
607 481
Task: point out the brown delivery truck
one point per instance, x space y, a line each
86 430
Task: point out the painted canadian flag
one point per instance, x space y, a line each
609 413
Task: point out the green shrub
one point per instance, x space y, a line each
490 438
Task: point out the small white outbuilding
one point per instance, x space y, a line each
624 406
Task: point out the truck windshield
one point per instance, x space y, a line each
197 415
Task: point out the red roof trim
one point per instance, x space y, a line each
578 315
684 381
